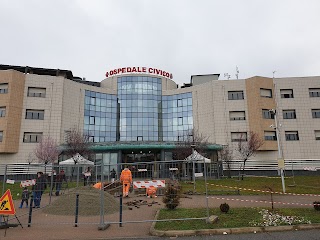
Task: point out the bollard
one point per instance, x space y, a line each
120 212
77 210
30 211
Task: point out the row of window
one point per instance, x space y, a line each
267 114
271 136
28 137
285 93
30 114
32 91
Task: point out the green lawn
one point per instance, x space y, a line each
303 184
16 189
236 217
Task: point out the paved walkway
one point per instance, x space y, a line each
62 227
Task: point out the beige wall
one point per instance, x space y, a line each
11 123
307 147
256 103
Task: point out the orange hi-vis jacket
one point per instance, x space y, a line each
126 176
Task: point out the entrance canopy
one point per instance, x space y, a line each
195 156
76 160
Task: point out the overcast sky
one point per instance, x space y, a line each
179 36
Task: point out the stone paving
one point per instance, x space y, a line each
46 226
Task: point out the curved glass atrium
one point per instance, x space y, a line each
138 113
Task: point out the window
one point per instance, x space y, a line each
315 113
35 114
2 111
235 95
1 136
66 135
179 102
36 92
265 92
270 135
180 121
30 137
317 134
314 92
289 114
3 88
292 136
237 115
238 136
139 138
267 114
286 93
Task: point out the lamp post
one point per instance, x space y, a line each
280 156
193 168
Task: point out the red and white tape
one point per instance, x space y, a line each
262 191
254 201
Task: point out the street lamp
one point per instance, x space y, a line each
280 157
193 168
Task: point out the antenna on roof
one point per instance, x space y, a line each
227 75
237 72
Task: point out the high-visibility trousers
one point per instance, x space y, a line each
125 189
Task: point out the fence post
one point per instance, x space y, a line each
4 178
120 212
77 210
77 175
205 182
102 225
30 211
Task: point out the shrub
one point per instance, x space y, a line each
316 205
224 207
172 195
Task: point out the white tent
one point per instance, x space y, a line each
195 156
76 160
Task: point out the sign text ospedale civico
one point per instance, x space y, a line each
148 70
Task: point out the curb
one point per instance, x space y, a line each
180 233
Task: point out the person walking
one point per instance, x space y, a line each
126 180
25 197
59 179
38 189
87 176
113 175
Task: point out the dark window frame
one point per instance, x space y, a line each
34 114
32 137
35 94
270 138
4 89
267 114
315 113
235 95
314 92
239 139
292 135
289 114
1 136
3 111
286 95
268 89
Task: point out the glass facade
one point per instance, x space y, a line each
100 116
138 112
177 117
140 108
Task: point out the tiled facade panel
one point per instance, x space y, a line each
256 103
307 147
11 123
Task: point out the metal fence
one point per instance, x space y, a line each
74 200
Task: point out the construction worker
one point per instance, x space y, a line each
151 192
126 180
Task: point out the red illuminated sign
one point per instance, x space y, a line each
149 70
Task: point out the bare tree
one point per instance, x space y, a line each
47 151
248 147
226 156
78 142
190 139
